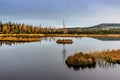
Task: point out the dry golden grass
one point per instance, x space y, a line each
81 59
110 56
22 35
86 35
19 39
63 35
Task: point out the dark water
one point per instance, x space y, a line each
45 60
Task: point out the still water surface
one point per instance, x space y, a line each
45 60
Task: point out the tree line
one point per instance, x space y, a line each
15 28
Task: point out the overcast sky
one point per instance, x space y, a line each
52 12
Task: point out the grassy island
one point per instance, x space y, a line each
20 37
81 59
64 41
87 59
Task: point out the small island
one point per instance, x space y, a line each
88 59
64 41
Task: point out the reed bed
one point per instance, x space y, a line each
86 59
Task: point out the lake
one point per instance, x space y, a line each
45 60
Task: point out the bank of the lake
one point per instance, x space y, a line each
85 35
36 37
21 37
15 39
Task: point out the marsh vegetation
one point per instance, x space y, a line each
89 59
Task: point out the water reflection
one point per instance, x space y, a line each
45 61
103 64
9 43
56 38
64 52
107 39
50 39
81 67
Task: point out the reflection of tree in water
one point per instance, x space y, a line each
64 53
82 67
50 39
9 43
103 64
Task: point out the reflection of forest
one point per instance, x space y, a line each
56 38
10 43
108 39
98 38
50 39
15 43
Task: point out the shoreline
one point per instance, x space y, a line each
21 37
36 37
60 35
84 35
14 39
